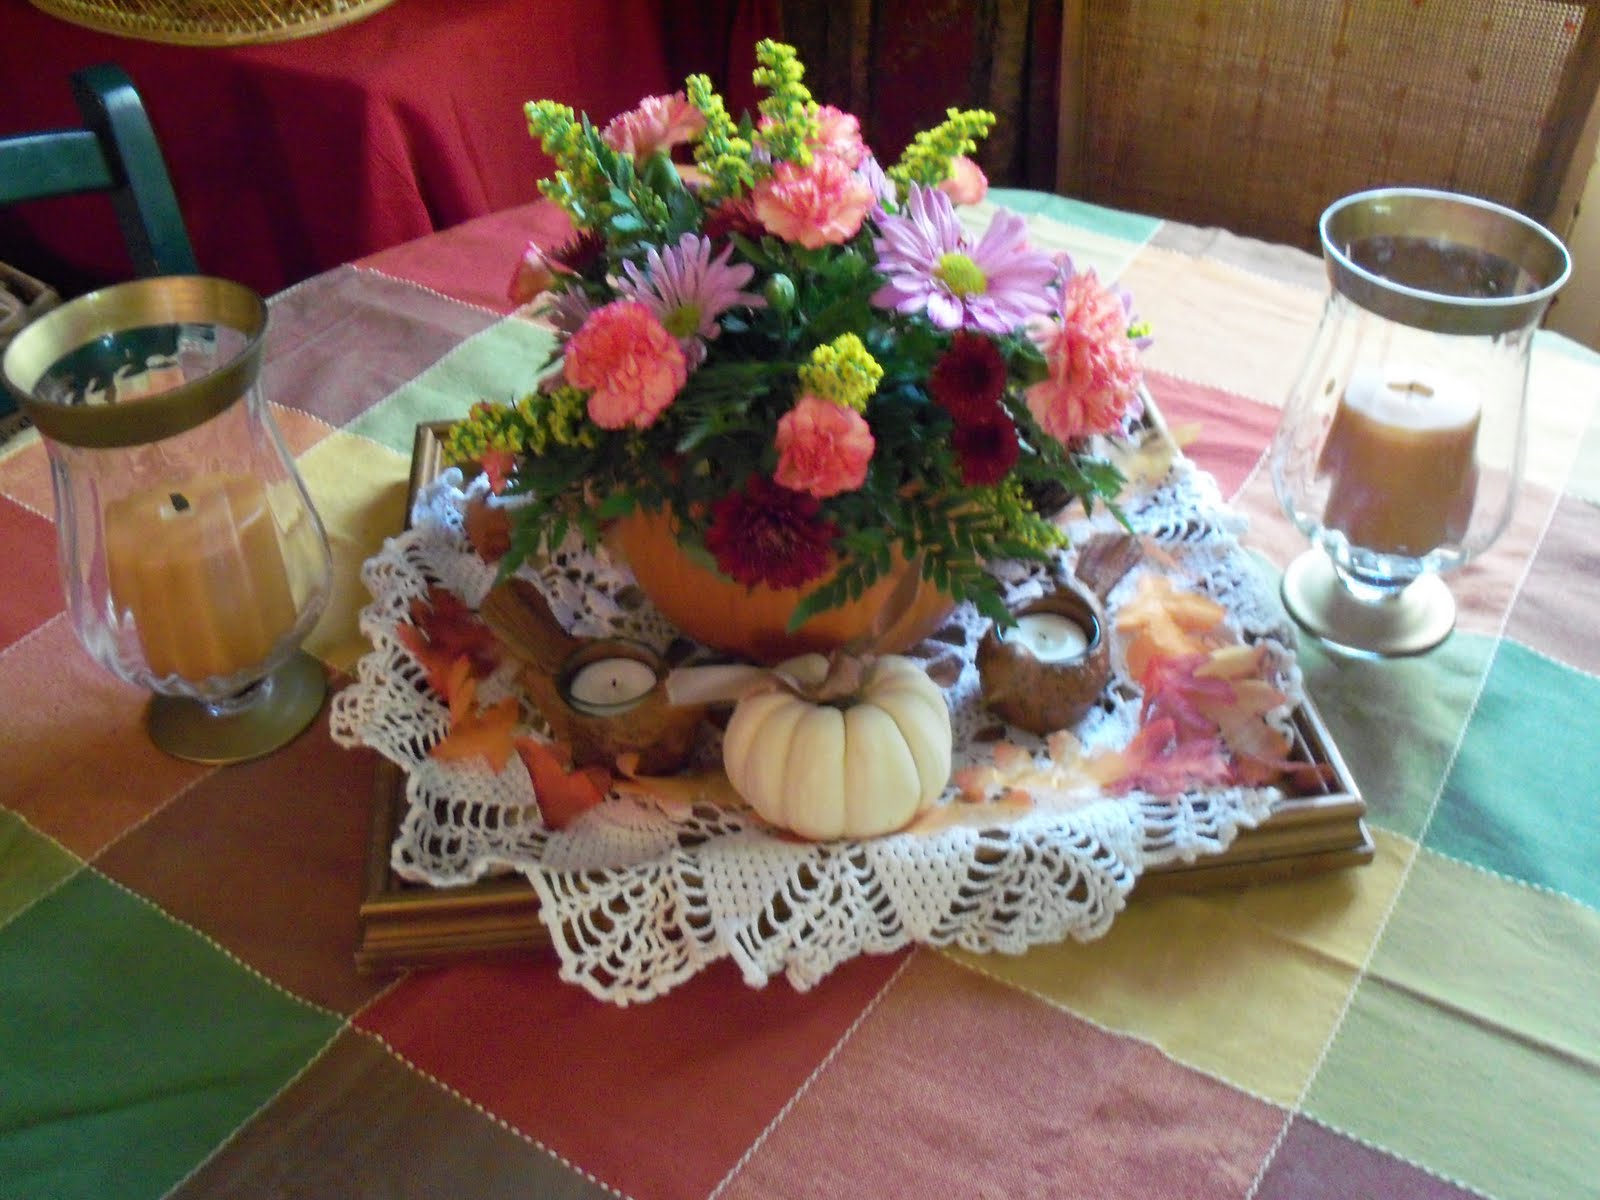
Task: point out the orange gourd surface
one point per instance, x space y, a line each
751 622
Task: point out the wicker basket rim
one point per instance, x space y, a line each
211 22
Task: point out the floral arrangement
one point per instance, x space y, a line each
806 358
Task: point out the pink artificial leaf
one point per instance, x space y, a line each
1158 762
1174 689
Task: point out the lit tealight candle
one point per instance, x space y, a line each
1049 637
609 686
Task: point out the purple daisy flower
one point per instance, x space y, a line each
688 290
565 311
930 265
876 178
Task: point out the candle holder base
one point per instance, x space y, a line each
289 700
1412 621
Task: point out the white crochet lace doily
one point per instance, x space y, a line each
638 897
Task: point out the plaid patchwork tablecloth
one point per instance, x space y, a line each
180 1014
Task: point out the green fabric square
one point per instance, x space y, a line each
1125 226
1412 1075
1396 722
502 363
163 1044
30 865
1523 796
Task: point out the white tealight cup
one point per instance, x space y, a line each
1049 637
609 686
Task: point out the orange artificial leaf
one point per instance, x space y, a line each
677 795
563 794
1007 806
476 732
498 465
488 529
1161 622
443 629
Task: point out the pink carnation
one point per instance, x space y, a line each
839 134
1093 381
823 448
820 205
659 123
631 366
967 184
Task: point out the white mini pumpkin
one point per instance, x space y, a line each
855 766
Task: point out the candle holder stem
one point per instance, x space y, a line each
1389 623
264 717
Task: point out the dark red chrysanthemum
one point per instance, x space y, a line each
969 378
581 253
733 216
986 449
769 534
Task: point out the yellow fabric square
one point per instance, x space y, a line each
1246 985
359 489
1512 956
1222 326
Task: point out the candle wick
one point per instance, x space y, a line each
1414 388
180 502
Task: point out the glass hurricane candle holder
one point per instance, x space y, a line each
192 559
1399 452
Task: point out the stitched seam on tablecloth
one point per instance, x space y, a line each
1388 1152
422 287
1513 880
306 282
26 507
55 887
459 348
1231 265
805 1086
1546 656
481 1110
36 631
1062 1006
233 1134
211 941
1399 889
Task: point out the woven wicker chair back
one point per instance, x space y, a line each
1256 114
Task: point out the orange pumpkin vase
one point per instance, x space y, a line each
752 623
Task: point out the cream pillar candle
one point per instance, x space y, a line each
198 569
1401 461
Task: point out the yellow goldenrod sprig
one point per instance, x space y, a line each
843 372
578 186
532 425
791 114
1009 503
721 152
927 159
563 417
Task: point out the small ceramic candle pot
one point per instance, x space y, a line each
1048 670
608 699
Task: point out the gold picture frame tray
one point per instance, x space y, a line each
404 924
